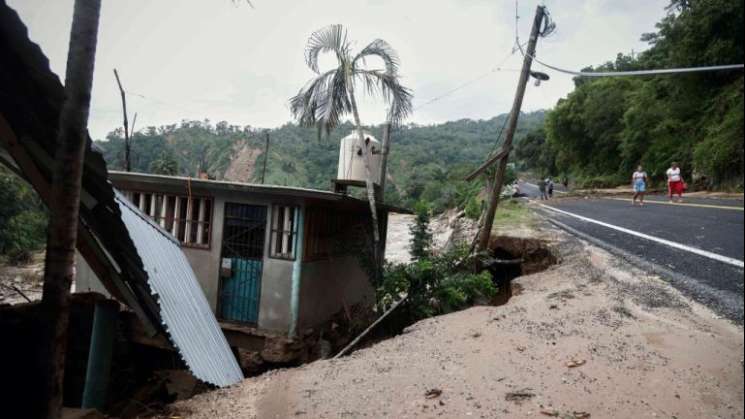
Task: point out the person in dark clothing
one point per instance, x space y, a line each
542 189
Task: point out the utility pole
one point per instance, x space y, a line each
127 164
266 156
496 189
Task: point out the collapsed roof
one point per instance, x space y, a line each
125 249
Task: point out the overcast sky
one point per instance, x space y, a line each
228 61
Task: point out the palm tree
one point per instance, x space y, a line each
329 96
65 203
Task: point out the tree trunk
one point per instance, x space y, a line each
127 162
59 267
384 157
368 175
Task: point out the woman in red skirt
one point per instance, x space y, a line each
675 183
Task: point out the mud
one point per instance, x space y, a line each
588 336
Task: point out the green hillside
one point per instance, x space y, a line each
606 127
426 162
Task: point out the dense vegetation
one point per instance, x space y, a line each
434 283
23 218
607 126
427 162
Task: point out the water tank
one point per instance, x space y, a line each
351 159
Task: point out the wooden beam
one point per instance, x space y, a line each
500 155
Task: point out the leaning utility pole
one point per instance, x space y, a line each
127 164
496 189
266 156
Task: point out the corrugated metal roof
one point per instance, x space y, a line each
186 314
122 179
132 258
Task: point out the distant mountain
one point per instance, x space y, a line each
424 158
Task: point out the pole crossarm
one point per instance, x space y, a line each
502 153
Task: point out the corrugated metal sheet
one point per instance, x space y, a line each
185 312
133 258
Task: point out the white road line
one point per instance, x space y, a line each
728 260
685 204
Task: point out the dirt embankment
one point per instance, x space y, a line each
590 337
243 164
20 284
447 228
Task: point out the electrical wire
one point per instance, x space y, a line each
495 69
637 72
549 27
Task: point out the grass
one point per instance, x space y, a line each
512 213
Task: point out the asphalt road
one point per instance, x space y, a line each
697 246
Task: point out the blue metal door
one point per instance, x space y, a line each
244 233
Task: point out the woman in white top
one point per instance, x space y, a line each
675 183
639 183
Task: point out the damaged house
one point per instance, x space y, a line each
275 263
204 269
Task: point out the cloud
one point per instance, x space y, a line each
226 61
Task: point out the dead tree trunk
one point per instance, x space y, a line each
127 145
65 203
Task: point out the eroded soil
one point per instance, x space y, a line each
589 336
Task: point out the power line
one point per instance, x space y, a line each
638 72
494 69
549 28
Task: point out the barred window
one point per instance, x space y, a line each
322 225
284 230
187 218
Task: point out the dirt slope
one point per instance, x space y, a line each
243 164
590 336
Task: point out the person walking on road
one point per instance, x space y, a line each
542 189
675 183
550 187
639 184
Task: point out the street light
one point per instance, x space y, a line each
539 77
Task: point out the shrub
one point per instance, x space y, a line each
435 285
473 208
25 233
421 236
23 218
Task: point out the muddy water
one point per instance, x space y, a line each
398 238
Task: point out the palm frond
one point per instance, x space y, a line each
384 51
323 101
332 38
387 85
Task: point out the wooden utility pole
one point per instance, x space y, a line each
64 208
127 163
496 189
266 156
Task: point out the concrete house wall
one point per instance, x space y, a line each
326 286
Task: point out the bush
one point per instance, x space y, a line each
25 233
23 218
435 285
473 208
421 236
